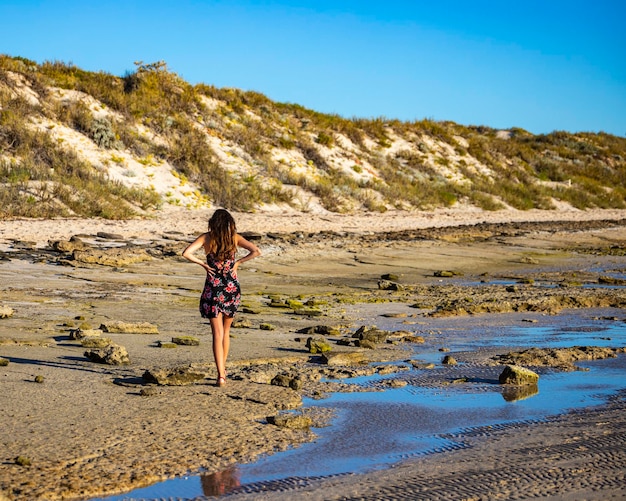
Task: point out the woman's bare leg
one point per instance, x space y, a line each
228 321
217 329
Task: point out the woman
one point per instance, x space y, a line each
221 295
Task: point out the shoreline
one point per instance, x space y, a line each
193 222
106 429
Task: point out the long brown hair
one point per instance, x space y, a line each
222 233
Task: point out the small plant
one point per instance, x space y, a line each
102 133
325 139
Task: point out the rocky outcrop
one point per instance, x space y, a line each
388 285
517 375
129 328
83 333
176 376
6 311
563 358
371 334
117 257
287 381
344 358
111 354
291 421
317 345
186 341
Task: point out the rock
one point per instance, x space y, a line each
295 383
6 311
109 236
344 358
3 362
344 342
22 461
151 391
110 257
449 360
371 334
266 327
318 345
324 330
611 281
443 273
244 323
176 376
395 383
309 312
291 421
111 354
394 315
294 304
388 285
444 349
413 339
365 343
130 328
517 375
95 342
250 310
39 379
80 333
165 344
528 260
70 246
421 365
390 276
186 341
278 303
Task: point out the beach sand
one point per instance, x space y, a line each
88 430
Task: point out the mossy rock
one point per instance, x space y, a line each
186 341
165 344
318 345
291 421
22 461
444 273
279 303
250 310
267 327
517 375
39 379
3 362
95 342
390 276
449 360
309 312
294 304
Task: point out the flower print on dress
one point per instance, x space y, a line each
222 293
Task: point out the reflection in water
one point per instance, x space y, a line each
514 393
221 482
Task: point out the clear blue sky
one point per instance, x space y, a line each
542 65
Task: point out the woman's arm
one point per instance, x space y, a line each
253 250
188 253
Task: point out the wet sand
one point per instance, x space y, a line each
88 431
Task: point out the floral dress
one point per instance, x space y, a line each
222 293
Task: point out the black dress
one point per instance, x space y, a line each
222 293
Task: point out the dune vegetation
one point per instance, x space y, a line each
91 144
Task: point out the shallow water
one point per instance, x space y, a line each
377 429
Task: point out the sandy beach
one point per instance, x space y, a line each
91 429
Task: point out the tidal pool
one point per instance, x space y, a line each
377 429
